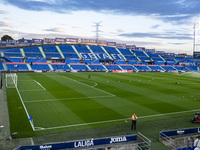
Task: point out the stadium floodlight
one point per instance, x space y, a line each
196 40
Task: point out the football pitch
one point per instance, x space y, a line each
62 102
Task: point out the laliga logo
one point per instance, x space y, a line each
45 147
180 131
118 139
84 143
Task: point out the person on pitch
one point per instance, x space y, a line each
134 119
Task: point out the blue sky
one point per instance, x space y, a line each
161 24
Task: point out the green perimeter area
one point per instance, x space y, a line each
102 105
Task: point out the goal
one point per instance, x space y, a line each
11 80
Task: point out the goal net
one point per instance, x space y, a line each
11 80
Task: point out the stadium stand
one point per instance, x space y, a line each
156 58
82 49
90 58
168 67
127 67
142 56
111 67
32 52
131 58
51 51
155 68
96 49
97 67
169 60
111 50
68 52
1 66
142 67
186 148
17 66
181 68
193 68
40 66
60 66
79 66
12 53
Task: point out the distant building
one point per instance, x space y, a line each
140 49
131 47
150 51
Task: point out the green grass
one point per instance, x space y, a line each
72 102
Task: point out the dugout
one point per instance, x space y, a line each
125 142
178 139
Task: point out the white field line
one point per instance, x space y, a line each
32 90
95 84
91 123
40 85
24 80
24 108
32 143
89 86
62 99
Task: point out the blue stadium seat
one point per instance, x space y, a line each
82 49
139 53
81 67
60 67
13 50
40 67
180 68
142 68
33 55
10 54
125 51
71 56
53 55
193 68
128 67
66 49
96 67
155 68
112 67
96 49
49 48
1 66
168 68
16 66
31 50
111 50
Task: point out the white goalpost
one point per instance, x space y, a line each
11 80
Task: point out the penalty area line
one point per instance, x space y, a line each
63 99
89 86
40 85
108 121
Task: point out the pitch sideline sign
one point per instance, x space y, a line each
82 143
180 132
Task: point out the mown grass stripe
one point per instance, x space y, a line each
101 122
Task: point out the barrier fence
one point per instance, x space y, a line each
131 142
180 138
